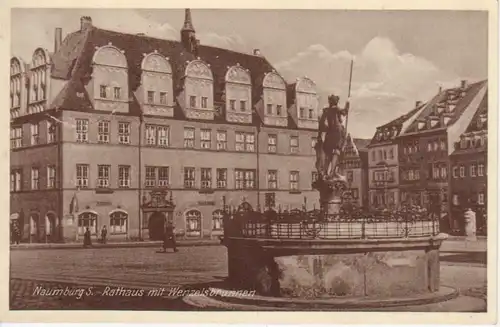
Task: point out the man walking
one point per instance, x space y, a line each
104 233
169 238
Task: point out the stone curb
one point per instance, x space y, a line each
60 246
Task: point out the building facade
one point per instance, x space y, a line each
469 171
383 161
354 165
109 119
426 145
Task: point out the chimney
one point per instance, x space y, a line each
85 23
256 52
57 39
463 84
417 104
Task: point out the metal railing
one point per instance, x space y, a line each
353 224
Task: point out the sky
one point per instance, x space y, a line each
400 57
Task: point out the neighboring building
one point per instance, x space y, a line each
469 170
383 160
425 146
354 165
109 117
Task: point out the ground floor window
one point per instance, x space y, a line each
217 220
193 221
87 219
118 222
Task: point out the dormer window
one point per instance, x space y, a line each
109 77
421 125
274 93
156 83
17 85
305 107
199 81
446 120
238 92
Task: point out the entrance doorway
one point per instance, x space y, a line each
51 225
156 226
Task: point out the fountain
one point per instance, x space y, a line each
336 258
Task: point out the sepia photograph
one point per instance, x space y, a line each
202 159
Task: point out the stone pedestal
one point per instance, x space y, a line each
330 194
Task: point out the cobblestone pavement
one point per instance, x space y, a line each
100 272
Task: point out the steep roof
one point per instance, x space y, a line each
361 144
393 128
73 60
453 95
481 111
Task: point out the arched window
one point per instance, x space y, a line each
118 222
193 222
87 219
217 220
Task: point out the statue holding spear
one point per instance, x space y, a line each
332 137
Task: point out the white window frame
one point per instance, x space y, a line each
92 222
163 134
206 178
118 222
462 171
221 182
206 139
82 175
35 133
124 132
480 170
272 179
189 177
163 174
51 177
150 177
294 146
82 130
472 169
189 137
221 140
218 220
294 180
123 176
272 143
35 178
103 176
103 131
480 198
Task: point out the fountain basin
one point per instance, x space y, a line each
345 268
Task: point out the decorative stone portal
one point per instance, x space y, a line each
157 210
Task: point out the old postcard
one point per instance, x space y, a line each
308 163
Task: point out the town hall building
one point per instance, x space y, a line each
127 130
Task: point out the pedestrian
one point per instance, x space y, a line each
17 233
169 238
87 241
104 233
